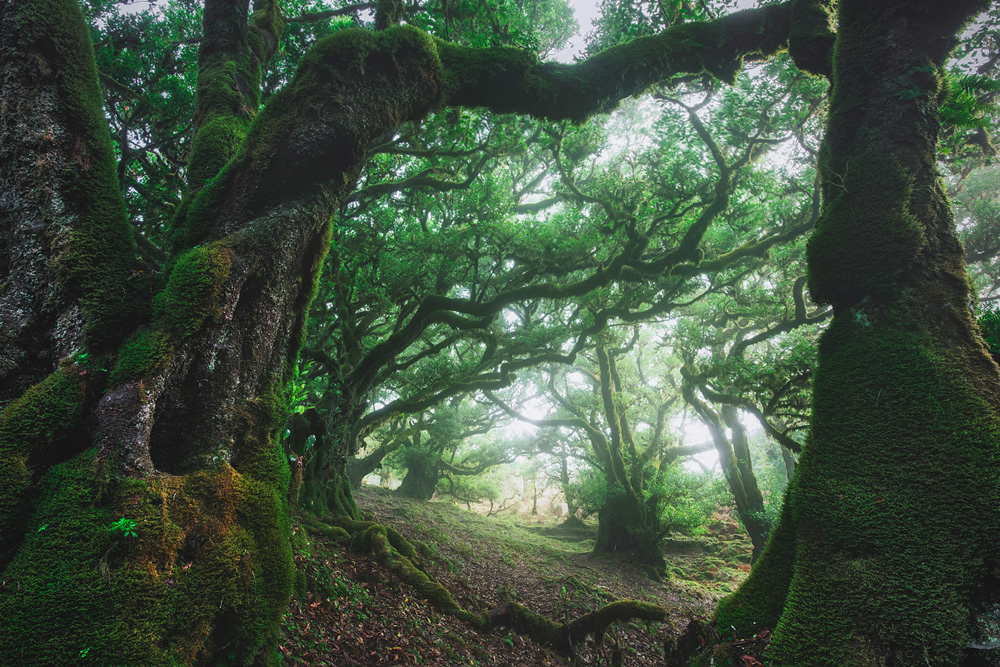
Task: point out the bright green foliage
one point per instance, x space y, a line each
624 20
146 62
540 27
969 101
989 322
977 206
684 501
124 528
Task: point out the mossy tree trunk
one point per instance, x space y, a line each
158 401
421 478
889 542
625 523
624 526
160 416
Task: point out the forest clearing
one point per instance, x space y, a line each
668 337
363 617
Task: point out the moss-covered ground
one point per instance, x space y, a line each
351 610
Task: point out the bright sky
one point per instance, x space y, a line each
586 12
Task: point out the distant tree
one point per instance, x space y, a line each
629 447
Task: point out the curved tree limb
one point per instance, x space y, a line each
563 636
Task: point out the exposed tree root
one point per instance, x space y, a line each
400 556
702 644
564 636
314 527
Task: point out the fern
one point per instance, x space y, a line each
970 101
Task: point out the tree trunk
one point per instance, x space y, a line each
750 501
358 469
421 477
326 487
737 468
889 540
625 527
789 460
172 439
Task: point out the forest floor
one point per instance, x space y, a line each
356 613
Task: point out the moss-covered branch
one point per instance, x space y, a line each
811 40
511 81
564 636
234 49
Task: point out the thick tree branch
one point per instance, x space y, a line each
511 81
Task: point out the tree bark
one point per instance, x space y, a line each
421 477
625 527
887 547
734 457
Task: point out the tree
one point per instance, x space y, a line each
437 458
385 329
160 394
888 533
624 423
747 353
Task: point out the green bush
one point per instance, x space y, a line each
684 500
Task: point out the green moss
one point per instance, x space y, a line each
330 497
258 453
56 569
335 533
98 259
39 428
472 73
199 211
214 145
207 578
145 352
194 290
866 238
887 527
